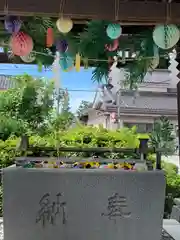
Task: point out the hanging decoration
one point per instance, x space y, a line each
61 45
85 63
56 71
114 30
57 79
174 79
78 62
21 44
12 24
166 36
155 60
98 43
135 96
64 25
112 47
66 62
10 55
113 117
49 37
40 66
29 58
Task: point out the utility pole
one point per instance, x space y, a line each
178 114
118 103
118 99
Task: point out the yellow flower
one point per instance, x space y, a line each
111 165
89 164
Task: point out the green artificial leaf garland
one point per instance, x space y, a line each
90 44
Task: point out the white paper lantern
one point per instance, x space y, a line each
166 36
64 25
29 58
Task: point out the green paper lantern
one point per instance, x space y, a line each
166 36
114 30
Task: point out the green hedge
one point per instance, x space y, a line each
93 137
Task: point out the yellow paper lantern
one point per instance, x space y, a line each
64 25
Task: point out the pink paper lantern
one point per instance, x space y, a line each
112 47
21 44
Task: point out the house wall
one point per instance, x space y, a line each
145 119
97 118
156 81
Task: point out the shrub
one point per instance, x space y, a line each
93 137
1 207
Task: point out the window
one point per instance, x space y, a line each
141 127
172 90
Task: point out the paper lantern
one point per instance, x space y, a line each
49 37
112 47
114 30
29 58
166 36
61 45
64 25
66 62
12 24
21 44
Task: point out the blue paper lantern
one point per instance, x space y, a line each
61 45
66 62
114 30
12 24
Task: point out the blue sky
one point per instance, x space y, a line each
71 80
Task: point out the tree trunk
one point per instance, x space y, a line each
24 143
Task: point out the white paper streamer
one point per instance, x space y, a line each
173 69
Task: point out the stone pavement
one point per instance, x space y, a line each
171 229
173 159
1 229
165 234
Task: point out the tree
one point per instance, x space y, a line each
163 135
28 104
63 119
9 127
83 107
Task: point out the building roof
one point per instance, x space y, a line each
150 101
145 102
